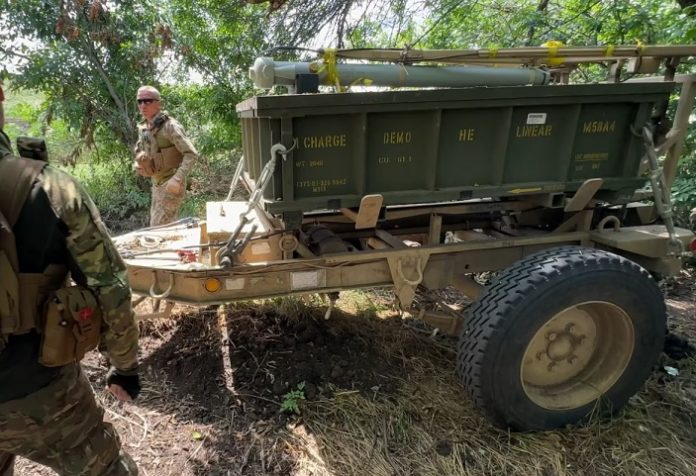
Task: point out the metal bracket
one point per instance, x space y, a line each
407 273
367 214
583 195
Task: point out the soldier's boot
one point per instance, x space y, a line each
122 466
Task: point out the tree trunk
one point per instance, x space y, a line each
530 33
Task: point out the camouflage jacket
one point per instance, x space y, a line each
59 224
165 131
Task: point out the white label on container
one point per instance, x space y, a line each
308 279
536 118
233 284
261 248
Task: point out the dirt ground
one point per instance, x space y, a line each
274 388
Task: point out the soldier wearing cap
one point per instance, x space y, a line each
49 230
164 153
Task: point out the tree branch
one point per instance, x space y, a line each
14 53
123 110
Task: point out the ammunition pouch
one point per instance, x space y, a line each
145 166
71 327
22 296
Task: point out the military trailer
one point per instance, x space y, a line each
561 190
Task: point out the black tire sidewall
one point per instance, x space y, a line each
633 292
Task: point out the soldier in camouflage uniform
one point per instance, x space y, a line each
49 414
164 153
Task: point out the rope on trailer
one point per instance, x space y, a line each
419 277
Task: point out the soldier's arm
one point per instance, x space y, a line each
184 145
99 266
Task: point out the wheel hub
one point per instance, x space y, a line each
562 345
577 355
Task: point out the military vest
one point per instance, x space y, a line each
20 293
68 318
162 159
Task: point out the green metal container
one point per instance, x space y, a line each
437 145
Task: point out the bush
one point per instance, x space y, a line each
684 187
122 197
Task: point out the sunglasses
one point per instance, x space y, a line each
146 101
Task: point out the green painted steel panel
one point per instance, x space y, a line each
539 141
448 144
326 152
470 147
398 155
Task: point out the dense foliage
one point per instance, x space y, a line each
86 58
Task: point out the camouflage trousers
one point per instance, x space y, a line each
165 206
61 426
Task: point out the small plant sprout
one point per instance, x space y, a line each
291 398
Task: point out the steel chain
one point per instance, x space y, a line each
661 195
234 245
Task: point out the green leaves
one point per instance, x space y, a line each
291 399
87 56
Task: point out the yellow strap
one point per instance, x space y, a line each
330 67
493 51
640 46
553 47
609 51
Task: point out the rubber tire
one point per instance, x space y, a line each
524 297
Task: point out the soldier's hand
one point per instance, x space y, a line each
139 170
124 385
175 185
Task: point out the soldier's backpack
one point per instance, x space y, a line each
68 318
16 179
